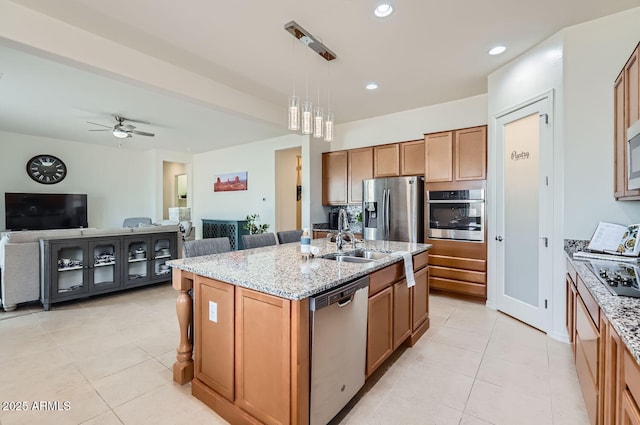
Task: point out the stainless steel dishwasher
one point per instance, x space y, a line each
338 348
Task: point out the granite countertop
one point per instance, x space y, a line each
622 312
280 270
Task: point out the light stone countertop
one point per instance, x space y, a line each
622 312
280 270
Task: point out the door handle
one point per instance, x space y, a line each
499 238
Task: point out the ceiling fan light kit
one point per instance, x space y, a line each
313 121
122 130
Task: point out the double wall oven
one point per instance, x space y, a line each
456 215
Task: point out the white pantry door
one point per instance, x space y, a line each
524 207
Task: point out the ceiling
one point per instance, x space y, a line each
427 52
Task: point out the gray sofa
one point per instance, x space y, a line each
20 258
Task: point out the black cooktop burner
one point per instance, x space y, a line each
618 278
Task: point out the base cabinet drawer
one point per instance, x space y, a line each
458 286
458 274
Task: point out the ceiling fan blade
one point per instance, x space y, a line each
101 125
122 119
128 126
142 133
106 129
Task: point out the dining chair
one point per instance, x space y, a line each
257 240
288 236
207 246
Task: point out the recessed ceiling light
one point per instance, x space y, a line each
497 50
383 9
371 86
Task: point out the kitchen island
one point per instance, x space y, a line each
251 322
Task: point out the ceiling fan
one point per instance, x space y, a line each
122 130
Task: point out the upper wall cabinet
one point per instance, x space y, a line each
411 158
334 178
342 175
386 160
399 159
457 155
626 91
360 168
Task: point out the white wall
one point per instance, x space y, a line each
579 64
258 160
411 124
595 54
118 182
537 72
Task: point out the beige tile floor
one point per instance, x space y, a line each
110 359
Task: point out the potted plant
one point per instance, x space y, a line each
252 226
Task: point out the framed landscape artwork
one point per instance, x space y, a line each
230 182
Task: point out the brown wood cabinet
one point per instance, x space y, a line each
459 267
263 348
458 155
629 390
401 312
397 313
570 313
379 329
587 337
609 376
342 175
359 168
215 312
420 298
626 112
334 178
386 160
412 158
612 351
245 342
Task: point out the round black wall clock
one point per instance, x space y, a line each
46 169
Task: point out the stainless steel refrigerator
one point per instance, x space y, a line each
393 209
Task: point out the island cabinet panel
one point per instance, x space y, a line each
401 313
334 178
379 329
412 158
214 337
360 168
386 160
263 356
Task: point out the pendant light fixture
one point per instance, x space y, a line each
328 123
312 120
307 106
294 101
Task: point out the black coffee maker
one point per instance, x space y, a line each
333 220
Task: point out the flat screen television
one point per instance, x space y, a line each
43 211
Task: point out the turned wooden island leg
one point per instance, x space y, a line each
183 367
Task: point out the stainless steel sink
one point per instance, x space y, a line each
356 256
